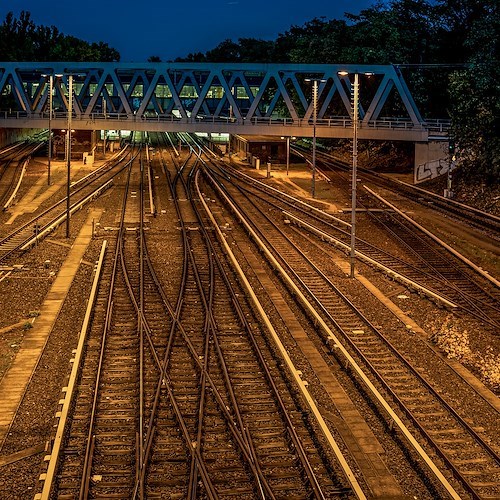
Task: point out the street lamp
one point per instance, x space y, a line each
68 149
105 131
68 146
51 91
315 103
355 109
51 85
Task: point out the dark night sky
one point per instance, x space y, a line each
171 29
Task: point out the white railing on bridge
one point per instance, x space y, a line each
432 126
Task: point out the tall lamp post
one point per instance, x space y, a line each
315 105
51 107
51 85
68 149
355 109
105 131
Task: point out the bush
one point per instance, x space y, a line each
489 367
454 342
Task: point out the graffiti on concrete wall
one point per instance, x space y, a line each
431 170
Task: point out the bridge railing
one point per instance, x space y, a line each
439 126
432 125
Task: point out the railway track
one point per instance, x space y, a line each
13 163
426 266
82 192
184 399
449 276
187 389
261 406
483 221
465 451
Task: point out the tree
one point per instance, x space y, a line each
22 40
317 41
475 92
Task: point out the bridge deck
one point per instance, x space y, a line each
264 99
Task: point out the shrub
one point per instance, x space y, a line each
453 342
489 367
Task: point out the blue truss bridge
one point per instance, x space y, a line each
262 99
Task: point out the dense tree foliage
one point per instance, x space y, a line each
22 40
460 37
475 91
448 50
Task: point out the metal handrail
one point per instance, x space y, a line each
434 125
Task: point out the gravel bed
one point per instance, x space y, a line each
27 288
400 462
34 422
474 344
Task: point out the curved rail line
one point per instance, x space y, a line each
429 271
12 170
465 213
29 233
181 400
392 370
231 342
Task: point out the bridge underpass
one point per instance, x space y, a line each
246 99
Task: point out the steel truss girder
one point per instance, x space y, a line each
279 90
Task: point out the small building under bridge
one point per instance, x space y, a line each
265 148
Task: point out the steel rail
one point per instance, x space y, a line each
447 299
404 232
262 484
194 450
163 365
244 321
22 155
471 264
27 228
317 215
464 424
228 382
296 374
69 392
467 213
211 334
338 345
89 450
52 225
18 185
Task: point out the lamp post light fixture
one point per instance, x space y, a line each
51 107
105 131
68 147
315 105
354 167
68 150
51 86
355 113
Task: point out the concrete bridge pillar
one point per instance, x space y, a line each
426 152
431 160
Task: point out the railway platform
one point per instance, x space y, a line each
16 379
40 192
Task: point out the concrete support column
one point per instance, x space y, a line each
431 160
426 152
